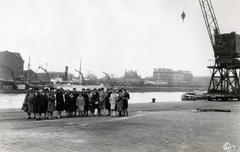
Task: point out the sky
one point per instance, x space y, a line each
113 35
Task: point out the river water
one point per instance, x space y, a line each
16 100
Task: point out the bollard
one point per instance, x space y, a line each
153 100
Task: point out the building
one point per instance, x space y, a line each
177 77
11 65
187 76
170 76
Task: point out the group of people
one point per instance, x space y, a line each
40 104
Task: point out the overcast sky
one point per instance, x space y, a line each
113 35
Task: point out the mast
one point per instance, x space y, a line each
28 70
80 71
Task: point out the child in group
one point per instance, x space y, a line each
80 103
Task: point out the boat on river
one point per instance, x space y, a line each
194 95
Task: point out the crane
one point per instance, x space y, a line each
136 76
87 74
109 79
169 82
45 70
80 73
224 82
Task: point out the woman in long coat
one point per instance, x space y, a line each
126 97
120 102
37 104
95 101
71 105
51 103
44 105
112 100
101 101
67 101
29 100
106 103
91 104
60 103
80 102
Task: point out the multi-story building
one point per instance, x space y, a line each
187 77
11 64
177 77
172 76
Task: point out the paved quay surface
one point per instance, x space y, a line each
160 127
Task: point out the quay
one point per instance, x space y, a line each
160 127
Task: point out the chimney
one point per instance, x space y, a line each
66 74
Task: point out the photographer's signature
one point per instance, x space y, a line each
228 147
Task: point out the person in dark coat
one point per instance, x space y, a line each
59 103
95 101
120 103
44 104
91 104
37 104
72 105
85 96
35 110
75 95
106 102
51 103
67 102
126 97
101 101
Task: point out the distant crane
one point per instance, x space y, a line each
87 74
109 79
136 76
169 82
47 74
80 74
45 70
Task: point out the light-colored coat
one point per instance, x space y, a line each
80 102
112 100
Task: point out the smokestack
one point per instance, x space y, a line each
66 74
